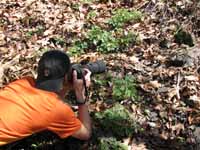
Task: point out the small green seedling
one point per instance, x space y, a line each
122 16
91 15
183 37
57 41
111 144
102 40
39 30
116 120
78 48
124 88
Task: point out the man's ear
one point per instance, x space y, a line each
67 86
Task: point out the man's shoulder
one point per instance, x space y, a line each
27 80
24 81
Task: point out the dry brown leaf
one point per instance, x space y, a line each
7 65
155 84
152 85
172 92
178 127
2 38
191 78
138 146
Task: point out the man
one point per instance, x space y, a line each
29 106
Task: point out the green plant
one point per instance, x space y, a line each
181 139
38 31
101 80
109 41
127 40
183 37
124 88
57 41
110 144
116 120
30 33
102 40
92 14
122 16
75 6
101 88
78 48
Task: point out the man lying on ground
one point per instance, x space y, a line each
28 105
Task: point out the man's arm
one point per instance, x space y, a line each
84 132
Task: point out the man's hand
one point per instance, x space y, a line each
84 133
79 87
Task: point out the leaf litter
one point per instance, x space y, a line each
166 72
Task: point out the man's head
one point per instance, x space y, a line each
52 68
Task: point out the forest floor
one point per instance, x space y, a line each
148 97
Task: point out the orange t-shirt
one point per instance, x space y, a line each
25 110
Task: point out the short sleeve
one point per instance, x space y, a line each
64 122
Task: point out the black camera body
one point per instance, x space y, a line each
94 67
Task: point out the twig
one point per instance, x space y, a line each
178 86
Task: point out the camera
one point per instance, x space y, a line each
95 68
